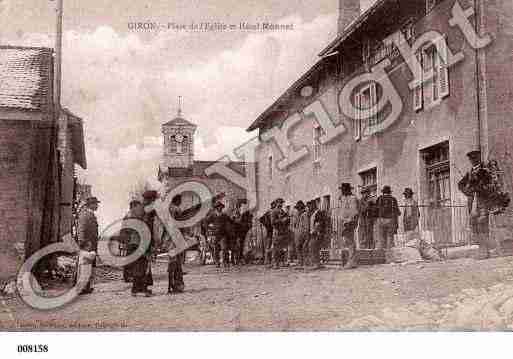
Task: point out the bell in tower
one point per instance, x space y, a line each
178 151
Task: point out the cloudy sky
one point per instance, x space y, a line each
125 83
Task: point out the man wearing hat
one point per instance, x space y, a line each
218 223
475 186
141 268
387 213
88 232
129 237
280 222
242 220
411 213
266 222
366 219
301 231
348 215
317 229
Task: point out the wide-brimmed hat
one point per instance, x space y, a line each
92 200
408 190
300 205
218 197
386 189
345 186
150 195
219 204
474 153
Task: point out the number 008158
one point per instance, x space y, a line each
33 348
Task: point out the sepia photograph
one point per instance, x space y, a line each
232 166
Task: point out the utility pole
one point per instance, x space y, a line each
58 57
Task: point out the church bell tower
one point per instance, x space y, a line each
178 151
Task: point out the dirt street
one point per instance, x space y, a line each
456 294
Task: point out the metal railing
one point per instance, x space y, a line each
443 226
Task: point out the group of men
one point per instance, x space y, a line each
290 234
225 234
303 231
299 233
139 272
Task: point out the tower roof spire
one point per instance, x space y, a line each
179 120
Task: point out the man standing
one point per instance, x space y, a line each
266 222
88 233
317 230
411 213
348 214
280 222
301 230
291 249
475 185
387 213
174 268
366 220
141 268
244 225
218 224
129 236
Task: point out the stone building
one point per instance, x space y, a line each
362 117
38 152
178 165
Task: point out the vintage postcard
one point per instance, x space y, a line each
331 165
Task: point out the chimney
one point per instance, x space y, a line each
348 11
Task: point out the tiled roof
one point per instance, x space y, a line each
198 169
25 77
179 121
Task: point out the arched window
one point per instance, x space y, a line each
185 144
172 144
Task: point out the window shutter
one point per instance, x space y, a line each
427 59
443 71
373 119
417 91
357 117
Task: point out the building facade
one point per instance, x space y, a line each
36 176
387 128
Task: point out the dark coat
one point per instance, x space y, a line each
88 229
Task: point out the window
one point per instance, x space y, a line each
431 67
327 202
375 51
317 146
316 169
434 85
185 144
366 118
172 144
409 31
438 172
357 122
369 181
